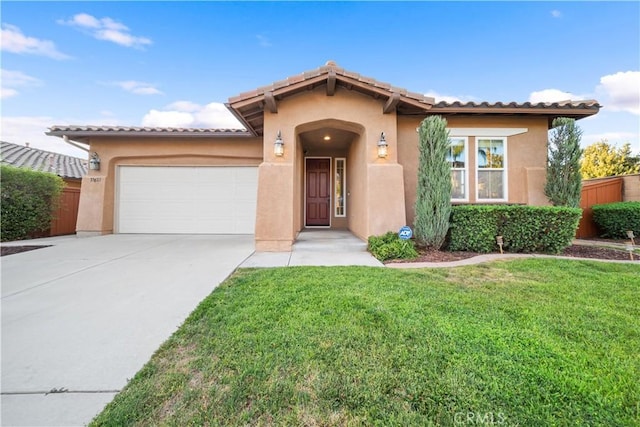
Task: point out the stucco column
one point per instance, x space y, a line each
276 180
274 213
90 209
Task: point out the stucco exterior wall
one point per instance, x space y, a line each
97 198
526 157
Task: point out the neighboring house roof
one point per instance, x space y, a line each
80 132
40 160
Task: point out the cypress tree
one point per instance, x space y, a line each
433 201
564 180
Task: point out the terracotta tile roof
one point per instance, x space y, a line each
40 160
248 107
569 104
330 67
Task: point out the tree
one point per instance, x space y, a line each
602 159
564 181
433 202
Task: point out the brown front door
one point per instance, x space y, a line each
318 198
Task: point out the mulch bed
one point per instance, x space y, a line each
596 252
572 251
10 250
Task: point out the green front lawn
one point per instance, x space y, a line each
528 342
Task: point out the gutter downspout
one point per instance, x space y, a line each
66 139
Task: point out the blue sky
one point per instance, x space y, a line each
176 63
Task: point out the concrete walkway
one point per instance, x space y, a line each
318 247
81 317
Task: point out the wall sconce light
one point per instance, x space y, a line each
382 146
94 162
278 146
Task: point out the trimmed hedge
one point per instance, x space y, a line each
615 219
390 246
28 200
547 229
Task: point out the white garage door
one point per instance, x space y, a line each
202 200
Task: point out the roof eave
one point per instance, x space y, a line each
83 135
241 119
573 112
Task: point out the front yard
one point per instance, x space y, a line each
527 342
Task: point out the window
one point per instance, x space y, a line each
491 178
457 158
340 185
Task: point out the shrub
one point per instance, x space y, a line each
390 246
28 201
614 219
547 229
474 228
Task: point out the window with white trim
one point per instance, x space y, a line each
491 168
457 158
340 186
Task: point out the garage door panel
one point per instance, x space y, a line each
209 200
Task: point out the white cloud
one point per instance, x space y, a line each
171 119
182 114
84 20
11 79
6 92
106 29
615 138
556 13
186 106
138 88
621 91
14 41
449 98
552 95
31 129
216 115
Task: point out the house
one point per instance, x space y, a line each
70 169
326 148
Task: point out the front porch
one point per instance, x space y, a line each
317 247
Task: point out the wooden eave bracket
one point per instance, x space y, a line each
391 103
270 102
331 83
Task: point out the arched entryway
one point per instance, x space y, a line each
328 152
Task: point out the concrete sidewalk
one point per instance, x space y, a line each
318 248
84 315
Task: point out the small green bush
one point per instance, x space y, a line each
28 200
390 246
547 229
615 219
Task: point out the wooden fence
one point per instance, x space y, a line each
65 218
596 192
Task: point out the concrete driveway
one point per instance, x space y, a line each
84 316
